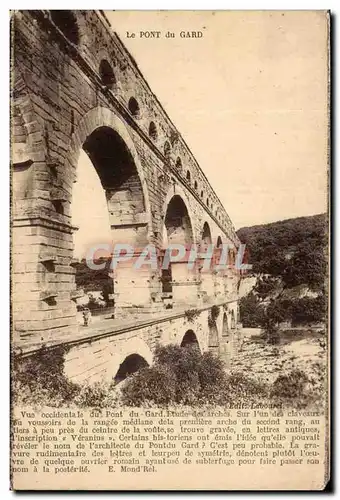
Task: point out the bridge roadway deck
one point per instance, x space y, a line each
114 327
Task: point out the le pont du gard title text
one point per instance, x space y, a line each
164 34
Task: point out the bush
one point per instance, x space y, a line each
290 386
40 378
186 370
246 391
251 311
154 384
303 311
191 314
213 379
309 310
272 335
180 375
92 396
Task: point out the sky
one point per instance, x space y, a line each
250 100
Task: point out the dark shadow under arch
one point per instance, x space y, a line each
206 238
130 365
190 340
106 74
225 326
116 168
177 222
134 107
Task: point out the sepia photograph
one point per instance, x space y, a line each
170 256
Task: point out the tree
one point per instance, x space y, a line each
251 312
265 285
294 249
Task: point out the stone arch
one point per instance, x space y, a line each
206 277
177 222
231 256
190 340
80 360
219 242
119 178
180 192
225 326
188 176
134 107
131 364
104 117
106 74
179 230
134 350
178 164
206 238
110 148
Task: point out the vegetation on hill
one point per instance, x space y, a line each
292 249
284 255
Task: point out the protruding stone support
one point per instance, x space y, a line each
207 285
214 341
184 284
218 285
42 280
135 287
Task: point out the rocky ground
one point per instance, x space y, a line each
304 350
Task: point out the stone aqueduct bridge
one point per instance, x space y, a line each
75 86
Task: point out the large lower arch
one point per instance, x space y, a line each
107 142
119 177
95 119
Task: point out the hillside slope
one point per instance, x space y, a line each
294 250
288 278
